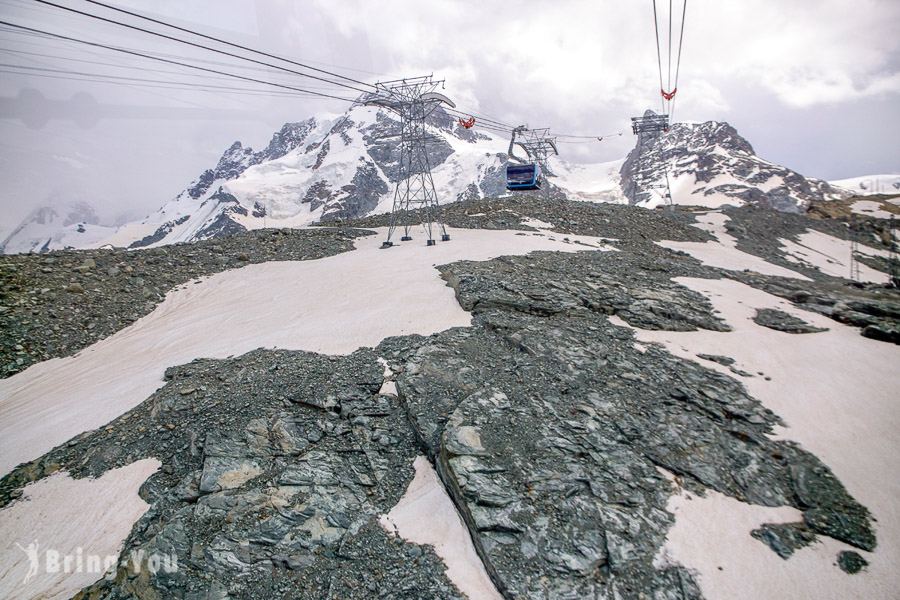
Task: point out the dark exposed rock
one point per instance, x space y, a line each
784 538
161 232
851 562
555 435
782 321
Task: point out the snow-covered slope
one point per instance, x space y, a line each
323 169
710 164
592 182
870 184
57 225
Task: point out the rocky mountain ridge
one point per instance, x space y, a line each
709 164
327 168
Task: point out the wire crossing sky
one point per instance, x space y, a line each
813 85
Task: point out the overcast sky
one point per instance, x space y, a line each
812 84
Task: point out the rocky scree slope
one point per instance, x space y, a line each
58 303
549 427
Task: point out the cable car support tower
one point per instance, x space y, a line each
413 99
649 128
537 144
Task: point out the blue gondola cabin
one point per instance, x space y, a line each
523 177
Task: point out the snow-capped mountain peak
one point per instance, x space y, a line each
55 224
710 164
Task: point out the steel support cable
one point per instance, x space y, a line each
484 115
658 55
104 78
171 86
199 77
586 137
478 118
227 43
171 62
196 45
669 70
678 63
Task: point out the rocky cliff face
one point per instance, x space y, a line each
710 164
237 159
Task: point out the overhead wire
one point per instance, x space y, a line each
658 55
70 75
189 43
225 42
484 121
27 56
680 46
668 98
172 62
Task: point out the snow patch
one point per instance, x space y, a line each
831 255
723 252
844 413
425 515
71 517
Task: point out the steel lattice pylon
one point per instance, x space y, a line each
649 127
413 99
893 260
537 144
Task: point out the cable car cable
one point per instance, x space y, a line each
227 43
172 62
194 44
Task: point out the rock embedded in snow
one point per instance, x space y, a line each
781 321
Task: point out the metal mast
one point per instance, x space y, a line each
537 145
649 127
854 248
413 99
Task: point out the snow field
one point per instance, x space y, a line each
723 252
831 255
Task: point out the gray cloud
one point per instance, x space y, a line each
813 85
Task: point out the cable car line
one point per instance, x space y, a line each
668 97
227 43
171 62
465 119
196 45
